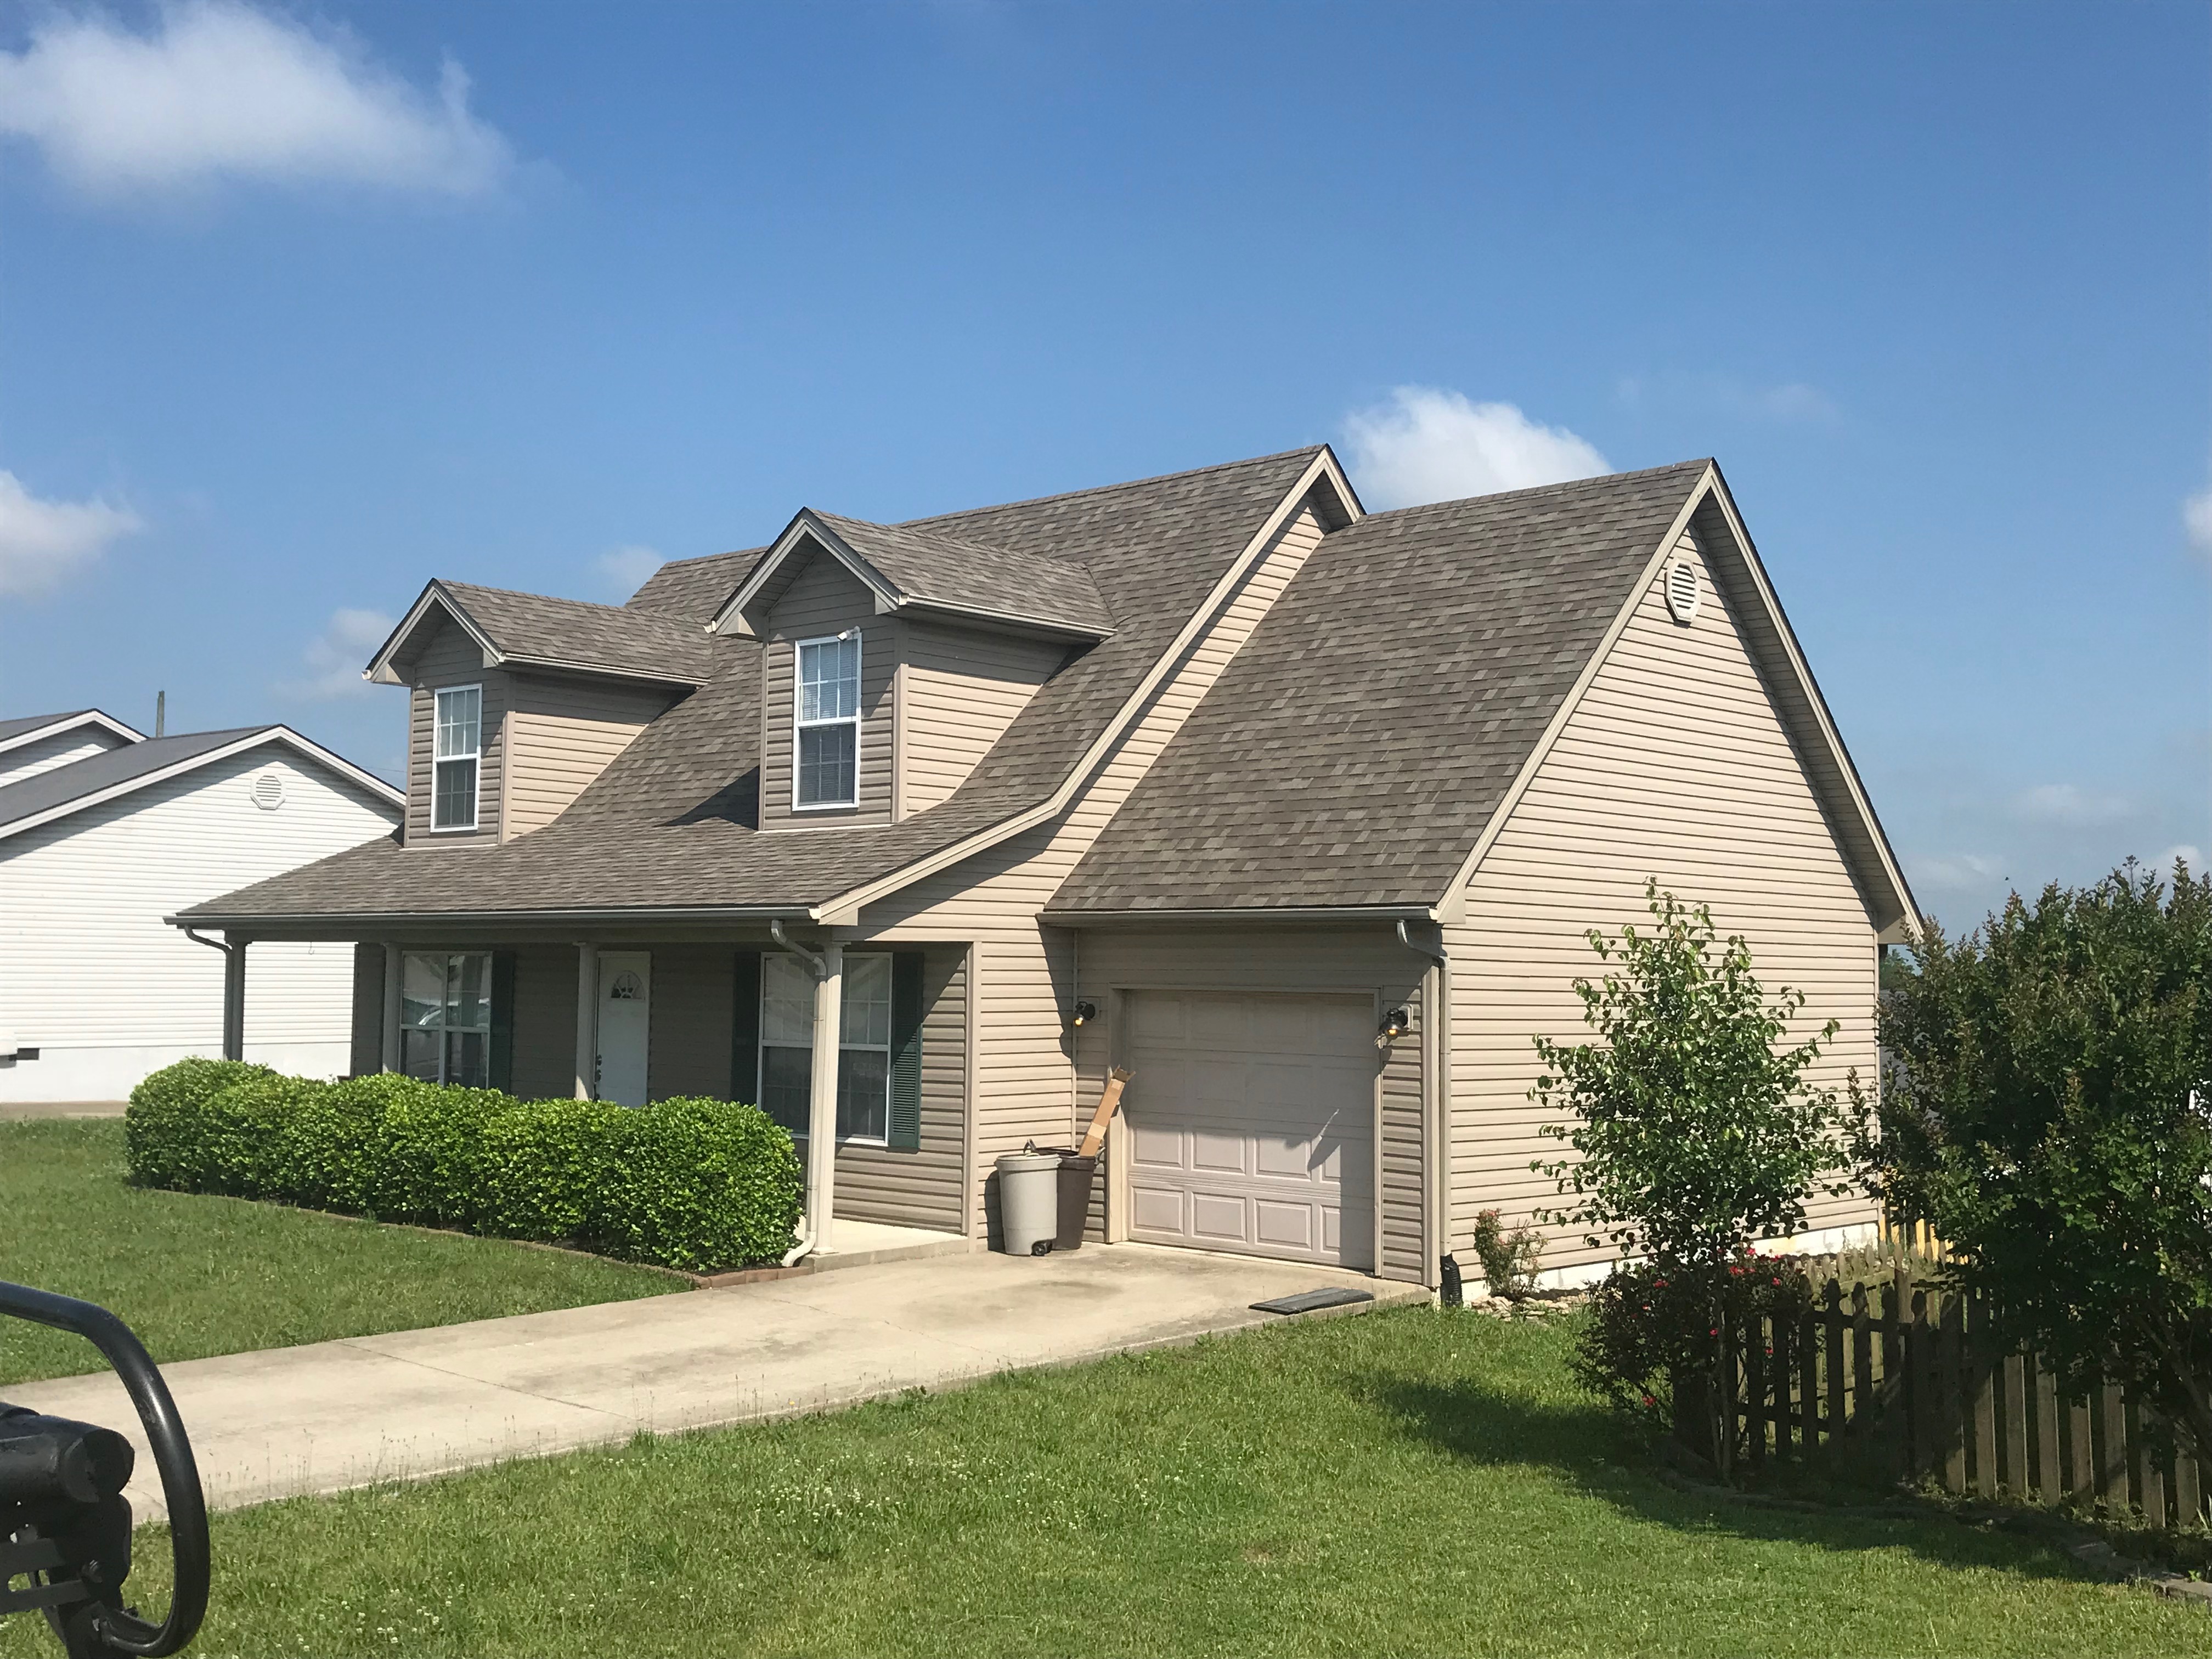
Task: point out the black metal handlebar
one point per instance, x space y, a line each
116 1629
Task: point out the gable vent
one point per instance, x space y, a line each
1682 591
268 792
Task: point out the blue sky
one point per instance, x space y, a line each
299 307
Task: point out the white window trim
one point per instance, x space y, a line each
476 794
798 694
883 1049
447 959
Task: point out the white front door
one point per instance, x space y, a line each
625 1024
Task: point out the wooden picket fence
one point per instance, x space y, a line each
1899 1381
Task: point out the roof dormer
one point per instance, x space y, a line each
922 574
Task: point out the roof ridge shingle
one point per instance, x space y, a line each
1561 487
1108 489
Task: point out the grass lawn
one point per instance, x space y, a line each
195 1275
1411 1481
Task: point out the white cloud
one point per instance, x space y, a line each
43 542
1956 871
221 89
2197 516
2063 803
625 568
335 657
1428 444
2163 863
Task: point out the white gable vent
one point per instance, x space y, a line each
1682 591
268 792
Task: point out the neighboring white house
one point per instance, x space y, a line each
103 833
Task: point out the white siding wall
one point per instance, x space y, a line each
59 749
92 976
1674 765
1024 1081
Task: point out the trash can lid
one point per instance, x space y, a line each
1021 1162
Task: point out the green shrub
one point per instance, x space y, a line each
167 1130
693 1184
1654 1326
545 1166
705 1183
1508 1260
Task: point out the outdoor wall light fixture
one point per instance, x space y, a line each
1084 1012
1395 1025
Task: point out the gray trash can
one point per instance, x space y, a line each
1029 1201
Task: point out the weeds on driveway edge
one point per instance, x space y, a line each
692 1183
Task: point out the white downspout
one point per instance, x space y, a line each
828 967
1436 1093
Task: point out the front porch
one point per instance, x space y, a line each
871 1038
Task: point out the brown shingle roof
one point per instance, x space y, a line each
530 628
1353 750
669 822
932 568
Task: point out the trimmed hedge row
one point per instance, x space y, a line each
691 1184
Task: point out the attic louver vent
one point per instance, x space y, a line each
268 792
1682 591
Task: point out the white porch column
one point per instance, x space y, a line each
588 1021
394 989
234 999
822 1102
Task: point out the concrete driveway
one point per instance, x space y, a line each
331 1415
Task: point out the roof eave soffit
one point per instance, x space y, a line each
746 611
433 604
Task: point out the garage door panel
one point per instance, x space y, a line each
1297 1160
1157 1209
1212 1152
1219 1217
1291 1226
1259 1109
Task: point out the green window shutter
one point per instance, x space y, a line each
906 1052
502 1021
744 1029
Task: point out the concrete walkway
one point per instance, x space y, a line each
332 1415
23 1110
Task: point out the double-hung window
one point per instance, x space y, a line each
864 1047
459 716
445 1018
826 729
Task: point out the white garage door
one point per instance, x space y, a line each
1252 1124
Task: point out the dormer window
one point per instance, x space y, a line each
827 727
459 750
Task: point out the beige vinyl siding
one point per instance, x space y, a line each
1026 1083
923 1187
824 597
448 657
368 1054
546 1021
1399 1189
961 689
561 733
61 749
689 1040
1674 765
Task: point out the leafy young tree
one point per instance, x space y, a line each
2048 1109
1696 1133
1694 1129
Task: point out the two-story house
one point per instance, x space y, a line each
911 832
